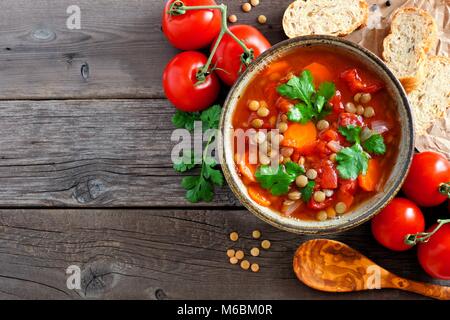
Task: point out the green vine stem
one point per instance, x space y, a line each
444 189
179 8
413 239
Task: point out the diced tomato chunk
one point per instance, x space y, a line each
347 118
314 205
345 197
283 104
336 102
329 135
355 83
348 186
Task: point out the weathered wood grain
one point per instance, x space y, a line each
90 153
120 40
159 254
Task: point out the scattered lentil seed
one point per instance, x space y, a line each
239 254
257 123
350 107
357 97
262 19
311 174
294 195
254 267
245 264
360 110
263 112
256 234
231 253
265 244
234 260
322 215
369 112
246 7
233 18
288 202
282 127
322 125
253 105
301 181
254 252
340 207
254 2
319 196
365 98
287 152
284 118
263 159
234 236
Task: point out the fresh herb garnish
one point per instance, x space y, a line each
375 144
277 180
308 190
312 105
353 161
201 187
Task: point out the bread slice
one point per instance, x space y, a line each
413 35
324 17
431 99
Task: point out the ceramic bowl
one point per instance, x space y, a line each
365 210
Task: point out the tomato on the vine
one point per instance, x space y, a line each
434 254
429 172
183 88
194 29
400 218
227 59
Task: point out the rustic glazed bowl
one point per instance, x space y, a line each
365 210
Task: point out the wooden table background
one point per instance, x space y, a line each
86 177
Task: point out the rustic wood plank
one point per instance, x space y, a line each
120 40
156 254
90 153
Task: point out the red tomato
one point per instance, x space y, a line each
428 170
327 178
314 205
434 255
336 102
193 30
354 82
227 58
346 119
180 82
400 218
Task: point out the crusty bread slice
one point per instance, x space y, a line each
324 17
431 99
413 35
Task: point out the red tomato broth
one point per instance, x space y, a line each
263 88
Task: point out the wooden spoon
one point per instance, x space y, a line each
332 266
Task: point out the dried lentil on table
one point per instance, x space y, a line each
256 234
231 253
265 244
254 252
239 254
234 236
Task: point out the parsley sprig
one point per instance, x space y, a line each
200 187
312 103
278 179
353 161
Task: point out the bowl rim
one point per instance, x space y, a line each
305 41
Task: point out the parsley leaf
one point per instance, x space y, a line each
211 117
294 169
187 162
198 189
185 120
312 103
375 144
277 180
351 133
352 161
299 88
308 190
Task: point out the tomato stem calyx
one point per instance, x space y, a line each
179 8
423 237
444 188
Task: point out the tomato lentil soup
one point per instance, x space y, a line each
337 128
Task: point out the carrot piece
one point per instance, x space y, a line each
319 72
245 168
370 181
299 135
279 67
258 197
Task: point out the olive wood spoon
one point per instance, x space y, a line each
332 266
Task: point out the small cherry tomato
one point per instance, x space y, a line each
400 218
227 58
195 29
429 170
181 85
434 255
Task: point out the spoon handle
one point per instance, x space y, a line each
426 289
